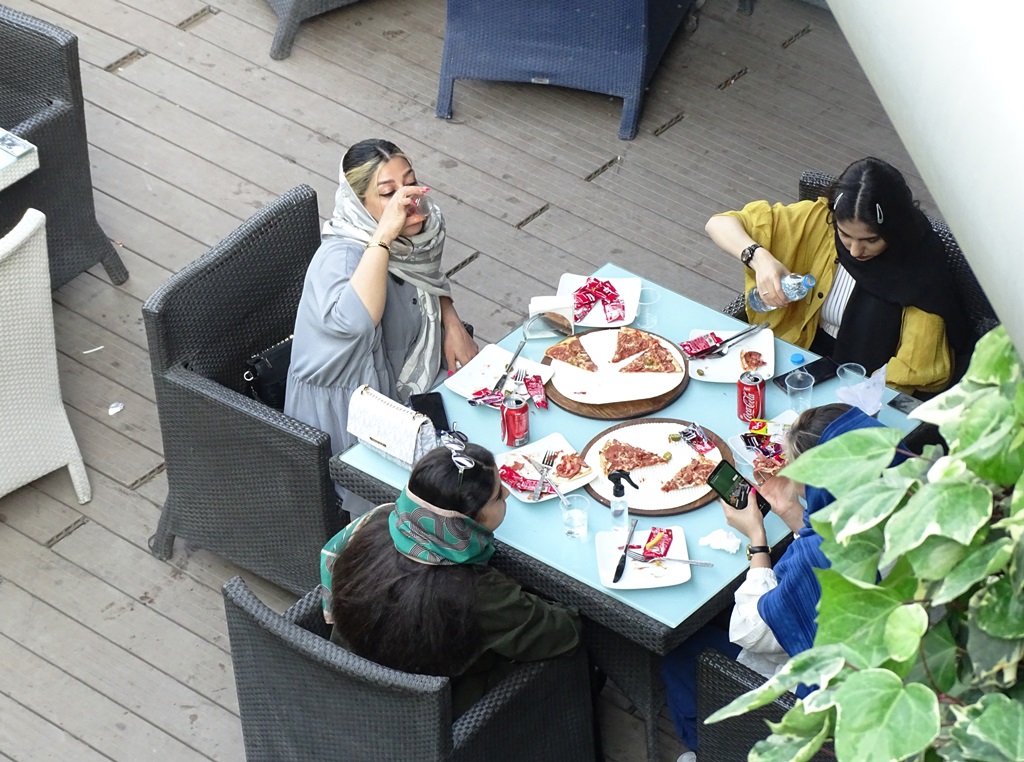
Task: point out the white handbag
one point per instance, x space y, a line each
398 433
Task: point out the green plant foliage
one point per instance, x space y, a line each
923 663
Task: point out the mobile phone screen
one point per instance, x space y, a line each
729 484
431 405
822 369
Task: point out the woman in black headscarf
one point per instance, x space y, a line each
884 294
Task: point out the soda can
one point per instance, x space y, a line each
515 421
750 391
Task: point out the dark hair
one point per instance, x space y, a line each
871 184
363 159
407 615
809 426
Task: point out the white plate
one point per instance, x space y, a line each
536 451
607 384
484 370
653 437
628 288
743 452
640 574
727 369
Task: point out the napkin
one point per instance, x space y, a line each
722 539
561 306
867 395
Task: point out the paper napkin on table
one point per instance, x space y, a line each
722 539
559 307
867 395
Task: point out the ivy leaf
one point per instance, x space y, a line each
881 719
995 360
936 557
988 441
1000 611
955 510
821 699
994 660
867 505
799 722
903 630
936 663
854 615
851 459
978 564
858 558
900 581
1000 727
815 666
915 468
785 748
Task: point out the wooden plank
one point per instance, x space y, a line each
118 676
26 736
117 311
110 452
35 515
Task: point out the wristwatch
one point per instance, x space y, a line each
752 549
748 253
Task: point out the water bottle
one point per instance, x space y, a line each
795 287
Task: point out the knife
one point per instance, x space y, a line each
729 342
622 561
508 368
540 481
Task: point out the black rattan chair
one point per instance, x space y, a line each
244 480
41 101
301 697
291 13
603 46
719 681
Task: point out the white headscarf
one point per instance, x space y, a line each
415 259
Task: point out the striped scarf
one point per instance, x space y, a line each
436 537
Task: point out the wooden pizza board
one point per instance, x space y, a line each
617 411
723 448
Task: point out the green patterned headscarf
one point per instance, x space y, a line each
434 536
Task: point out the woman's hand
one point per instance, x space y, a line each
748 520
399 213
459 347
784 495
769 272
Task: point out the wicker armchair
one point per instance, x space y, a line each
37 437
604 46
291 13
980 314
301 697
719 681
244 480
41 101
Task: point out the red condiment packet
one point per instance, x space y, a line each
517 481
658 543
597 290
700 343
696 437
535 387
488 397
614 310
583 301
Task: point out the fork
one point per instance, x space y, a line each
640 557
520 379
547 462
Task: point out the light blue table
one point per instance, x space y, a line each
566 570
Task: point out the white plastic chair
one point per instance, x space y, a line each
37 437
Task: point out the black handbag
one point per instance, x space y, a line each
266 374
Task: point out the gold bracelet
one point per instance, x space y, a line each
385 246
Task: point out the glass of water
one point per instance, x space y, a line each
646 317
575 510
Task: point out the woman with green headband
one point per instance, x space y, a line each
407 585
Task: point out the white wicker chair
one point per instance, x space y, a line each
37 437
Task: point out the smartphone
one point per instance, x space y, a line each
822 369
729 484
431 405
904 403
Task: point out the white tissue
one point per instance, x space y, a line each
867 395
722 539
561 306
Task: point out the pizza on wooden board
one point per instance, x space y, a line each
573 352
620 456
630 341
656 359
693 474
751 360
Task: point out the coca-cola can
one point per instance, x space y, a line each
750 397
515 421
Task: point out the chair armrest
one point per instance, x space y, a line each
737 308
31 128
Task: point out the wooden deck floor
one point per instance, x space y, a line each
107 653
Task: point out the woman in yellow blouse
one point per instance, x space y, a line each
883 294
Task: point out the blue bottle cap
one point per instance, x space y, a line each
796 358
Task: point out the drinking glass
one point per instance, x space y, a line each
799 386
851 373
574 516
645 312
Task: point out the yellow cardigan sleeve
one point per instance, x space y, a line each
923 360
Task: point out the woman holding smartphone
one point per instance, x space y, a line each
774 616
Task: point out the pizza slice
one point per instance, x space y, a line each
657 359
693 474
620 456
751 360
570 466
572 351
630 341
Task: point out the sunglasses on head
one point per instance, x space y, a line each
456 441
